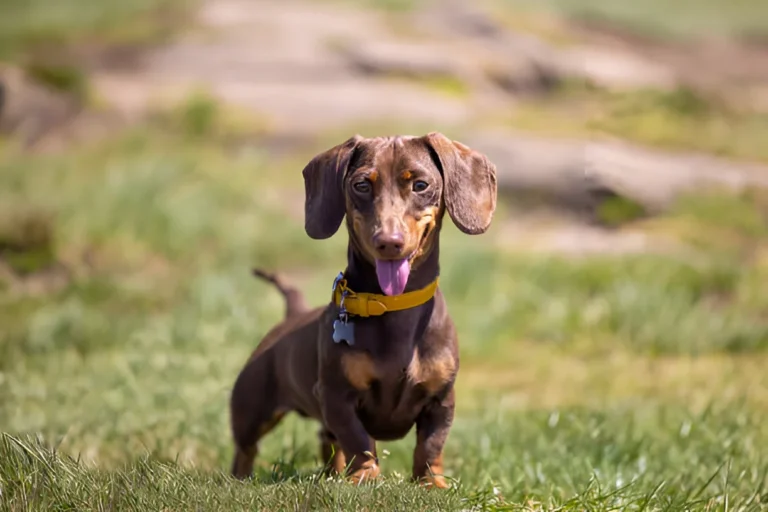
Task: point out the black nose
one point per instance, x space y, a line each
389 245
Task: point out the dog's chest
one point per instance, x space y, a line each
398 377
430 370
395 392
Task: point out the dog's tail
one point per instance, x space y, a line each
294 299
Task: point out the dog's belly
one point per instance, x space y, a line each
389 412
386 428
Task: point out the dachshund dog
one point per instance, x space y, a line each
382 355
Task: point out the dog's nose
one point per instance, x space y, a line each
389 245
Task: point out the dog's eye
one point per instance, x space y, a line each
362 186
420 186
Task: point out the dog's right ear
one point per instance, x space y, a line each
323 187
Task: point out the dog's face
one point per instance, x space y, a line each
393 200
394 192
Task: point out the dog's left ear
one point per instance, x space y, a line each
469 183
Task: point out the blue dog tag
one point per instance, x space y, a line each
343 330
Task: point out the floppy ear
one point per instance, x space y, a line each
323 182
469 184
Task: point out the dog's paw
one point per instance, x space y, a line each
370 471
434 482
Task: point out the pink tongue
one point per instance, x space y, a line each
393 275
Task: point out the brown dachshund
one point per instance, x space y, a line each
383 354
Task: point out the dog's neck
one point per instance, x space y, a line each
397 333
361 274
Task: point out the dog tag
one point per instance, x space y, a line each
343 331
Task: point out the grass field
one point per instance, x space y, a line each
655 18
678 119
36 27
626 382
615 382
659 18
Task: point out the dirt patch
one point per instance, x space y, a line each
309 68
29 110
733 69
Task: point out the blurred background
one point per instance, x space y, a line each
613 321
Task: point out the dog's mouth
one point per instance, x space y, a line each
393 274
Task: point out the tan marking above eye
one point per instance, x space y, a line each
407 175
373 176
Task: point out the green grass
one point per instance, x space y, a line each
443 85
25 239
200 116
387 6
629 459
682 19
677 120
631 382
42 27
661 18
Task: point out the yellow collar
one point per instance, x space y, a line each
373 304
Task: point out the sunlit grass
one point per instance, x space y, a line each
675 120
36 27
628 457
615 382
579 376
659 18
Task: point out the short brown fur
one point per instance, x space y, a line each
402 368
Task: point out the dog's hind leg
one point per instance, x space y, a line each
254 411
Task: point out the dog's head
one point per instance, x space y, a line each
394 192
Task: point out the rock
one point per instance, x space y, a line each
613 69
29 110
530 56
576 174
401 58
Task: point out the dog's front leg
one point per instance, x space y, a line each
432 427
359 449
